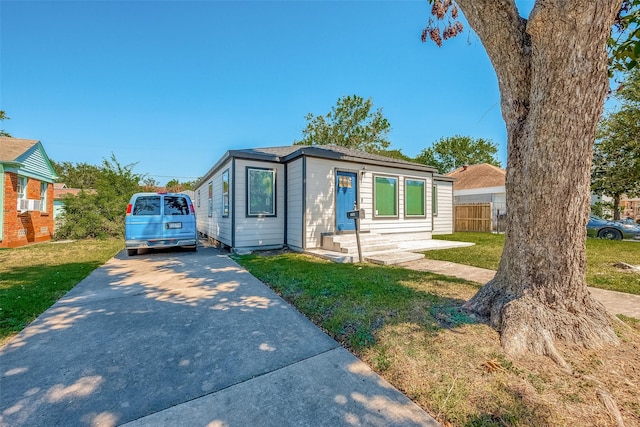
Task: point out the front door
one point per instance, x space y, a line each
346 184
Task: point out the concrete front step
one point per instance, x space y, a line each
367 246
381 258
337 246
347 243
343 238
376 248
391 258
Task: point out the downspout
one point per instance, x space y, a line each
304 203
233 204
286 202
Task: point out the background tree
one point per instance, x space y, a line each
616 151
452 152
78 175
395 154
150 184
3 116
100 213
624 44
351 124
176 186
552 75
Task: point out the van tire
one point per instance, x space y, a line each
132 252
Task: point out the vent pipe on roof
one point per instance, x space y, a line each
465 167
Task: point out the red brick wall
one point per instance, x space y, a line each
28 227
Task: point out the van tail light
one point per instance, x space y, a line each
129 207
193 211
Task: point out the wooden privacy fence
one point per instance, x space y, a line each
472 217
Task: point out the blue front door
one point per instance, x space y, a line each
346 184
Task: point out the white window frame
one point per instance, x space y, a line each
44 186
21 189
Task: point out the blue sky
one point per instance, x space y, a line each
173 85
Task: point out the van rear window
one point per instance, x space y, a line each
175 205
147 205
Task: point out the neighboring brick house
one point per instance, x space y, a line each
630 208
26 192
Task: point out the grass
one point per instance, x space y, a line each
36 276
601 256
408 326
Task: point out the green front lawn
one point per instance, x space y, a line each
408 326
601 255
36 276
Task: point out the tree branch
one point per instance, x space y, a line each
502 32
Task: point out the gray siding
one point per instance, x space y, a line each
443 222
254 232
215 226
295 217
320 201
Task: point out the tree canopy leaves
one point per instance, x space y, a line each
449 153
98 213
79 175
624 44
351 123
3 116
616 151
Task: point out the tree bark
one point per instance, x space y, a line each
552 75
616 206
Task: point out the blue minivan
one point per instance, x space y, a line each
160 220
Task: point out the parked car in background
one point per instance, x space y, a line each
627 221
160 220
604 229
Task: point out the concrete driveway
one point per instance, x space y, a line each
186 339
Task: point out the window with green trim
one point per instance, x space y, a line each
385 196
261 192
414 197
434 200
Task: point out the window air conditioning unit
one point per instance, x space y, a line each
25 205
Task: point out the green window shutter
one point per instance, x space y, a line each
386 195
414 197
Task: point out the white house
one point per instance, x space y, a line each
294 196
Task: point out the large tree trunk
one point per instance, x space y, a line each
552 73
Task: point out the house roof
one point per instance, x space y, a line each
59 193
12 148
477 176
287 153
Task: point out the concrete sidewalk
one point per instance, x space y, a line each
615 302
186 339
